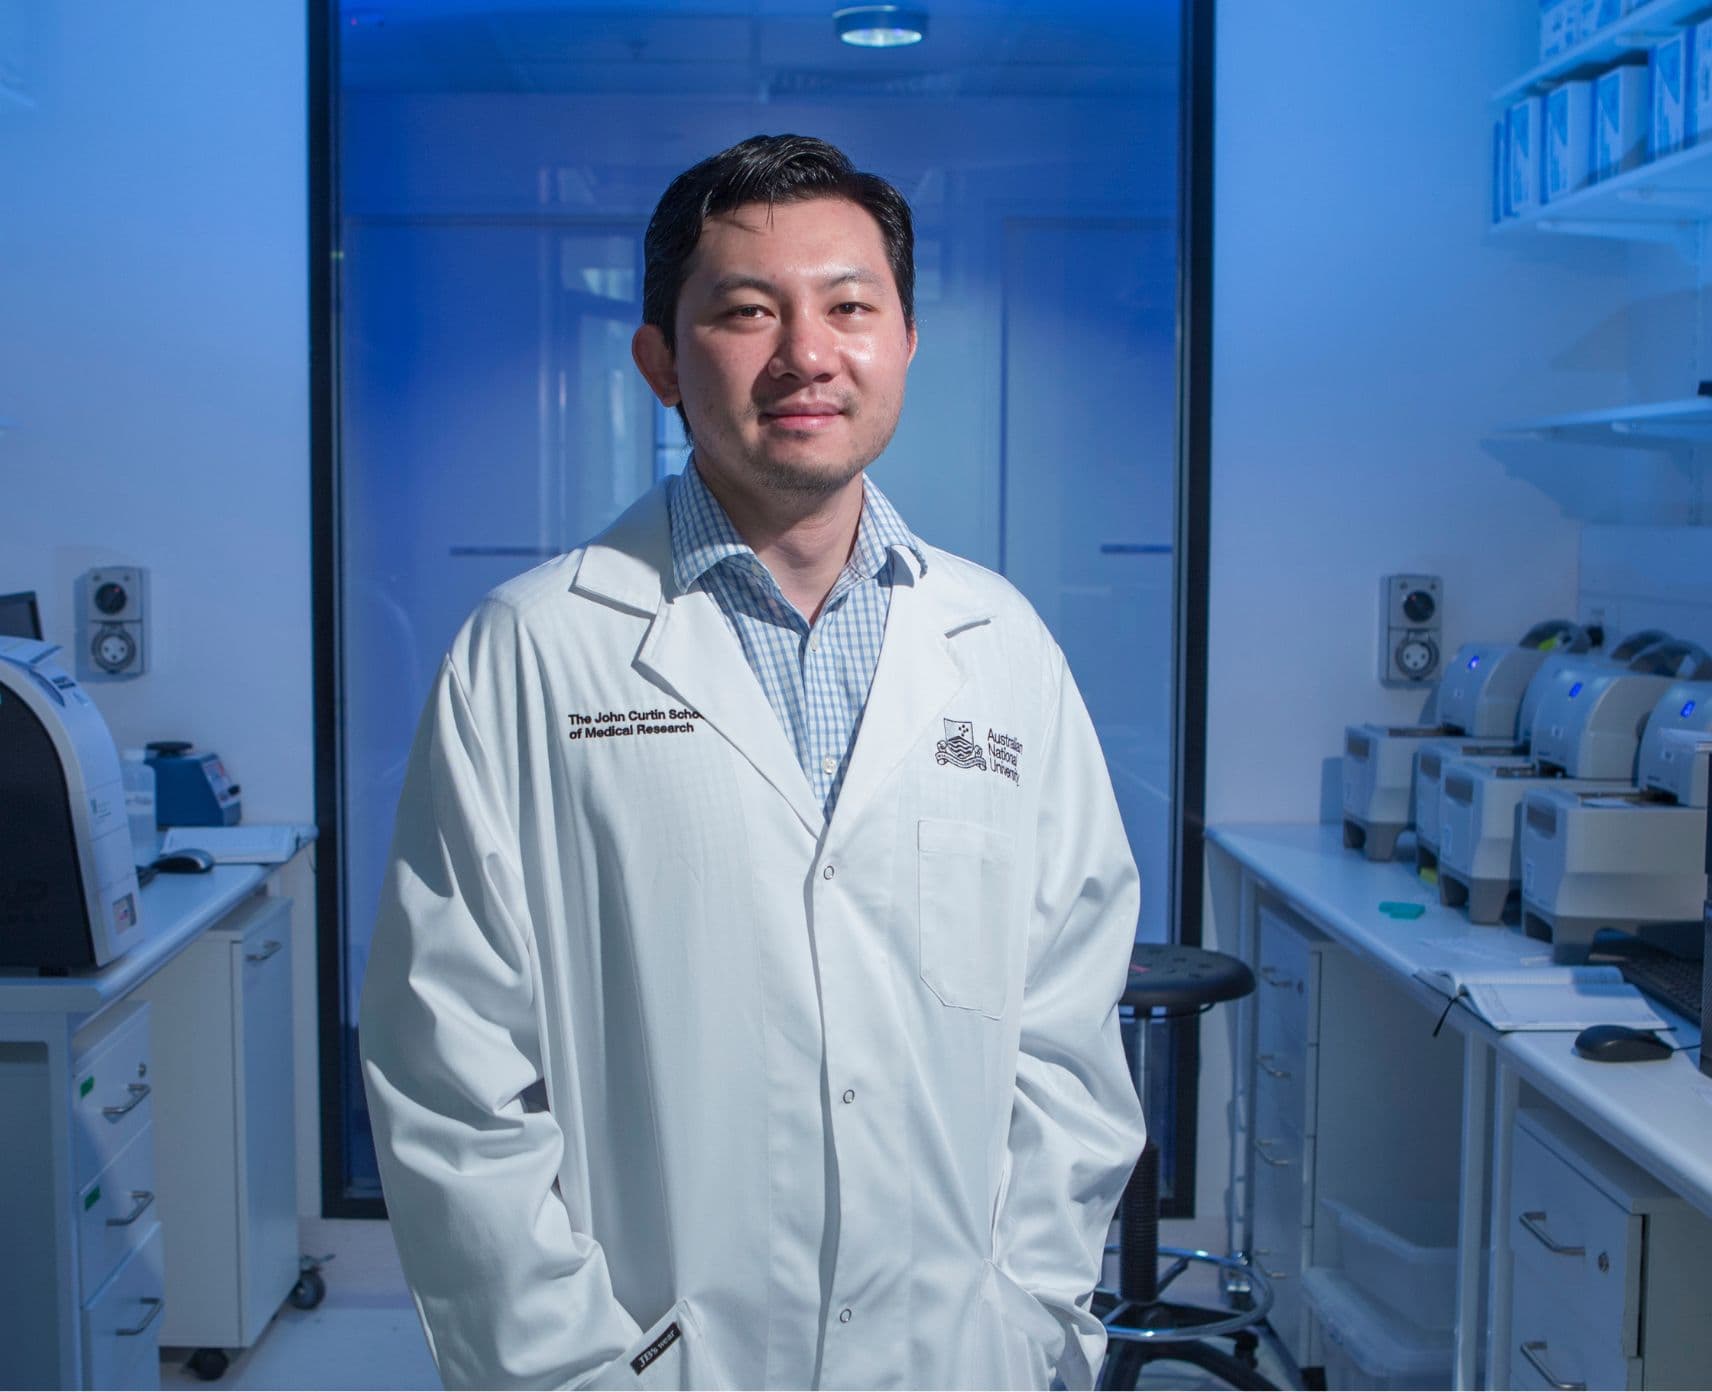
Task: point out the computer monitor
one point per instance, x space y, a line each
19 617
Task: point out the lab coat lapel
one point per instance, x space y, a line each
918 676
691 652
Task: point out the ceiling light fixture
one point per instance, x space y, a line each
880 26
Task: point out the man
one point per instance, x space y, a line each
742 1008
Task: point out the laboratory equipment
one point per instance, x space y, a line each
1479 700
68 890
1623 857
1586 734
191 786
140 804
19 615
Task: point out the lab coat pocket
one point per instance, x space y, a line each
671 1354
963 899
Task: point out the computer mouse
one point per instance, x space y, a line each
187 861
1620 1044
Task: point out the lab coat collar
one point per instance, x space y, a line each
691 653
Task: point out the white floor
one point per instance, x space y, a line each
365 1334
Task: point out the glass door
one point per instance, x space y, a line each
495 165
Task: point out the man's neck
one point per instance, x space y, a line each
803 540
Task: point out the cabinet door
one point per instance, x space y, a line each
267 1229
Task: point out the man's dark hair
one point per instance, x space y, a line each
764 169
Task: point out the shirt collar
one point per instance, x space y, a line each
703 536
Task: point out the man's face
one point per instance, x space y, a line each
791 347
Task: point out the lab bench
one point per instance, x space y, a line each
1578 1195
146 1125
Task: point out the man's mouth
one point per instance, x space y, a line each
801 415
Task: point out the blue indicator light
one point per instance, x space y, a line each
1474 662
1575 691
1688 710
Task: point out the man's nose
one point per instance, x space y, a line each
804 349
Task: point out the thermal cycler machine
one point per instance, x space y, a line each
68 889
1625 858
1476 702
1585 738
1432 756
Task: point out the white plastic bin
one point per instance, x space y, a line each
1408 1265
1369 1346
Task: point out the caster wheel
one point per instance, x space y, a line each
309 1291
209 1364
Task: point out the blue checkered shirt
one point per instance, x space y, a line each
816 677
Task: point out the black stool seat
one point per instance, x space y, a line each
1173 978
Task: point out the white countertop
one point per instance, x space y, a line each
174 910
1658 1113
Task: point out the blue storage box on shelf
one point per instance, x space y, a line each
1569 139
1671 69
1619 121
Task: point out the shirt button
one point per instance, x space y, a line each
829 765
814 643
826 874
844 1316
849 1094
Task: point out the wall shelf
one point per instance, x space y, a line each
1632 34
1668 200
1669 425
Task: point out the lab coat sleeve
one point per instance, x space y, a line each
1076 1126
510 1293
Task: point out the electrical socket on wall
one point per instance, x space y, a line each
1411 629
112 604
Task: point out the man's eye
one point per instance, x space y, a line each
748 311
850 307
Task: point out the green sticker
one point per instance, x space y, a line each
93 1198
87 1087
1393 908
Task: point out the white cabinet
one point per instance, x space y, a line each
101 1231
228 1187
1609 1270
1353 1099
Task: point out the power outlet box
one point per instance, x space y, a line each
1411 629
113 615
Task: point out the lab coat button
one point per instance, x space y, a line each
849 1094
826 874
844 1316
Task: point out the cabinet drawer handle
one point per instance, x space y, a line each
1273 977
1260 1148
1265 1062
144 1199
1533 1222
138 1092
156 1305
268 949
1532 1351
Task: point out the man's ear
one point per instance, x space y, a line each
656 363
912 342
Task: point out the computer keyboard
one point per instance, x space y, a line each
1671 980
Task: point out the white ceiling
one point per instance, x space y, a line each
755 48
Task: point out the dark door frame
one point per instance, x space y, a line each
1195 290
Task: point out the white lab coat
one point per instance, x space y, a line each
674 1083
